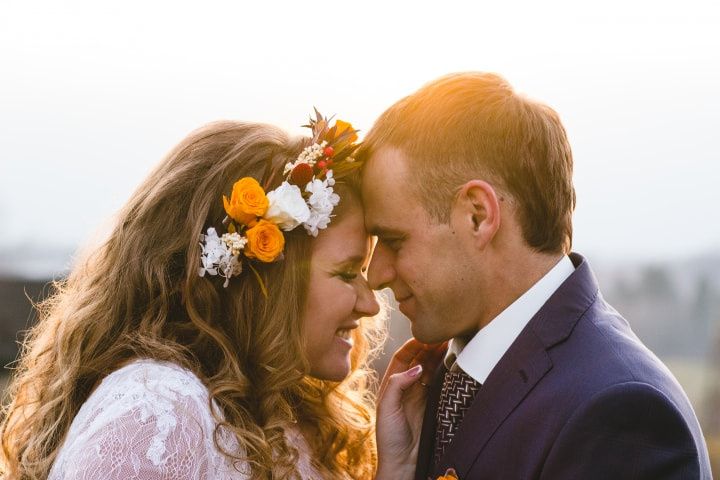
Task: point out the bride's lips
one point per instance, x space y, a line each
344 334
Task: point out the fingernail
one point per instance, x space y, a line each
414 371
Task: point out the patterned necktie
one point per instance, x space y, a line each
458 393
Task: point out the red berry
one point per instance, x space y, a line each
301 174
329 151
322 164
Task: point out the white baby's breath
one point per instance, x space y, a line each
234 242
309 155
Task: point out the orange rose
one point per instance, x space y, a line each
340 127
247 201
265 241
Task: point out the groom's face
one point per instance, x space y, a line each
422 261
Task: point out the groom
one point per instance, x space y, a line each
468 187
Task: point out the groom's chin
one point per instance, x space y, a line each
425 335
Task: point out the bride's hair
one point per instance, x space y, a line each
139 295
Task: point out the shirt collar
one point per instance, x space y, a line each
479 356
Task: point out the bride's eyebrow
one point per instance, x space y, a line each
353 260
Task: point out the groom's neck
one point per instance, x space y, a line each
516 273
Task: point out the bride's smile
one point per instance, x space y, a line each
338 294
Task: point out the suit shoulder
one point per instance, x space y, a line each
607 336
631 426
640 411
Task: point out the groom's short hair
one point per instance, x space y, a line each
474 125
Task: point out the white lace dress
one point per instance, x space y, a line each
151 420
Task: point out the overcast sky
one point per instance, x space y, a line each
93 94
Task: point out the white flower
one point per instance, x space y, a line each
212 250
330 179
309 155
321 202
287 208
234 242
217 256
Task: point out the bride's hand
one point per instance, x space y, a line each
401 406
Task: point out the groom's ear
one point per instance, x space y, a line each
478 211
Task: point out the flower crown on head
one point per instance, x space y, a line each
255 219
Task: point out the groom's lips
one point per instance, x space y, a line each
401 304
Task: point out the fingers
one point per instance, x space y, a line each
414 353
402 360
431 360
409 351
391 396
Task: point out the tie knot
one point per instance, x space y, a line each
458 374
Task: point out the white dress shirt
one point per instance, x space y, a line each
480 355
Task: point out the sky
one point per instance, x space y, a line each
93 94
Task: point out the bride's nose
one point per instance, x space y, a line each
366 303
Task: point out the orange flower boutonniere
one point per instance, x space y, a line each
450 474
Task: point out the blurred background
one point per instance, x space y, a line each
93 94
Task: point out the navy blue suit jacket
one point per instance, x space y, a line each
576 396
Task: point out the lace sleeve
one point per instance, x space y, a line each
146 424
142 446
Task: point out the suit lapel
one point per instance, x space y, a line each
426 448
524 365
508 384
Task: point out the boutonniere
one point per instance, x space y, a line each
450 474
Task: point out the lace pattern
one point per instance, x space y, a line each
151 420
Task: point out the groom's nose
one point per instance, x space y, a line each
381 271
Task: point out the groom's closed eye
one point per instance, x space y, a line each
393 243
388 237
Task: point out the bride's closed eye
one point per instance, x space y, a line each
351 268
347 276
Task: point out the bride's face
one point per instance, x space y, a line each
338 294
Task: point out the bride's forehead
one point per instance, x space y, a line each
345 238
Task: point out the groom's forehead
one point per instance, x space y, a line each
384 176
388 162
388 195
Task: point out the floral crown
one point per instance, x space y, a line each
305 197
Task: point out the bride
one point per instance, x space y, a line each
223 330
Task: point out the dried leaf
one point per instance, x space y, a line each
260 281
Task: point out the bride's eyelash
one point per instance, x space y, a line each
347 276
351 269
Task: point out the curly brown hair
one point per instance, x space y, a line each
139 295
